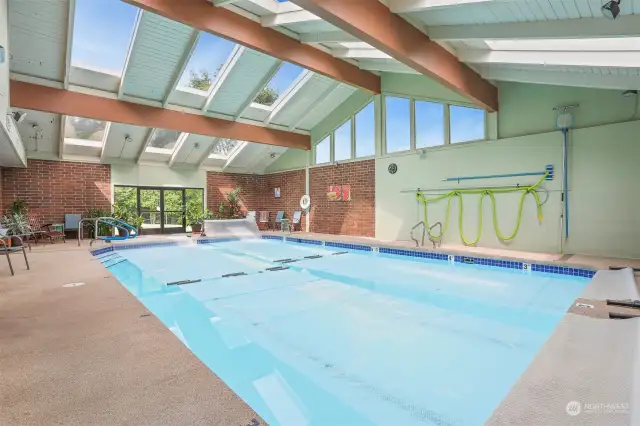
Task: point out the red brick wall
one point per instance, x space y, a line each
53 188
355 217
292 187
219 184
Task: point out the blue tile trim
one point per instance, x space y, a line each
100 251
216 240
304 241
348 246
413 253
564 270
145 245
273 237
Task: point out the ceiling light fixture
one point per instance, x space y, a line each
611 9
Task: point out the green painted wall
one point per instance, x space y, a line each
354 103
4 67
290 159
419 86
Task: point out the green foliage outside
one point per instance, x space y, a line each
267 96
201 80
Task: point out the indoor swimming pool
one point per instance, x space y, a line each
315 335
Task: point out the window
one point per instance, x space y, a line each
279 83
366 131
84 129
224 148
102 34
207 60
323 151
342 142
164 139
429 124
397 124
466 124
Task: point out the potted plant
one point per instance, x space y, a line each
19 206
15 224
231 207
196 218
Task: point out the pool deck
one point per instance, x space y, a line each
93 355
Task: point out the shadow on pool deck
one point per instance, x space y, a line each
93 355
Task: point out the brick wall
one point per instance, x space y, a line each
219 184
355 217
292 187
53 188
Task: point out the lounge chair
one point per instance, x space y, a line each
275 224
40 231
71 221
252 214
296 224
263 220
47 232
15 247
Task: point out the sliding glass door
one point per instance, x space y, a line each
163 210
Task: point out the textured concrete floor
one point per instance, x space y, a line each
92 355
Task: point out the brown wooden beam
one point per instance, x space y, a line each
221 22
372 22
59 101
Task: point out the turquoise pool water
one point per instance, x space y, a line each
350 339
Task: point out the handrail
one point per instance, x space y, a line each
438 238
424 227
116 223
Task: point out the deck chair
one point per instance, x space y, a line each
41 231
71 221
16 246
252 214
296 224
263 220
275 224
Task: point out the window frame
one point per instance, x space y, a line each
333 141
412 143
355 134
315 149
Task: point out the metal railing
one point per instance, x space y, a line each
130 231
435 240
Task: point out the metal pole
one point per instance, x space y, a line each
565 191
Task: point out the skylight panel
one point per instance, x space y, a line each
84 131
102 34
224 148
279 84
207 60
164 139
619 44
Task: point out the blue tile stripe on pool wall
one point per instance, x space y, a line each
273 237
348 246
100 251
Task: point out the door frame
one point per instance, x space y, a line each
161 230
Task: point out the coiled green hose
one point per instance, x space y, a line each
484 192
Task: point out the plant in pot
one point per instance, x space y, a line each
15 224
196 218
19 206
103 228
231 207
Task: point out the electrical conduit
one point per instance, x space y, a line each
483 192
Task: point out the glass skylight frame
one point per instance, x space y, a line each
285 93
239 145
166 151
85 142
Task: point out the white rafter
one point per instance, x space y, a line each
146 143
103 150
223 2
207 153
69 47
358 53
385 66
241 145
179 144
407 6
567 58
559 78
263 82
129 52
223 74
282 101
327 37
181 66
287 18
316 104
63 121
624 26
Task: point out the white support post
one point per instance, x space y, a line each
179 144
193 42
129 52
282 101
146 143
103 151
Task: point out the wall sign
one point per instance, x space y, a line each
276 192
393 168
339 192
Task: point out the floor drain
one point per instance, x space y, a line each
73 285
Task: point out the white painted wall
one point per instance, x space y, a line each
4 67
603 191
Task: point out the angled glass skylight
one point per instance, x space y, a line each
279 84
102 33
618 44
207 60
163 140
84 131
224 148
